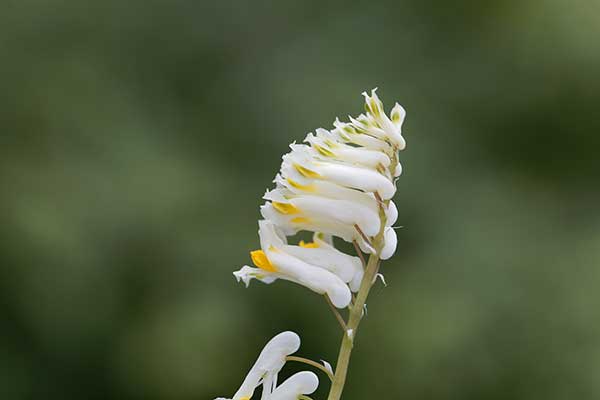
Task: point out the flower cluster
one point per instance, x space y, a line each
339 183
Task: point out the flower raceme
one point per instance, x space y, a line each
339 183
266 368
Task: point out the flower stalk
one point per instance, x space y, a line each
355 317
312 364
337 314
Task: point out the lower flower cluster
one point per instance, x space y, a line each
264 373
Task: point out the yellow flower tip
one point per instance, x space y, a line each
323 150
300 220
285 208
306 188
330 143
306 172
345 137
259 258
245 398
349 129
376 108
309 245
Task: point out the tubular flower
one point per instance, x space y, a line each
338 183
266 368
302 383
277 259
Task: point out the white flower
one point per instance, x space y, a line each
266 368
338 183
322 253
270 361
301 383
275 261
390 241
392 128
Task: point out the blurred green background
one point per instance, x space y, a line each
136 141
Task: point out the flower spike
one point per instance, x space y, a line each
336 183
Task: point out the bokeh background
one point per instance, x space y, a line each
136 141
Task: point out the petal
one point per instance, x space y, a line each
247 273
375 110
391 214
356 280
270 235
270 361
364 246
398 170
356 177
315 278
329 258
390 242
397 115
301 383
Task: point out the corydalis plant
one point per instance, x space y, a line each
339 183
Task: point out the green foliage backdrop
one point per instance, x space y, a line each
137 138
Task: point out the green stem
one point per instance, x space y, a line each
357 308
339 318
356 313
